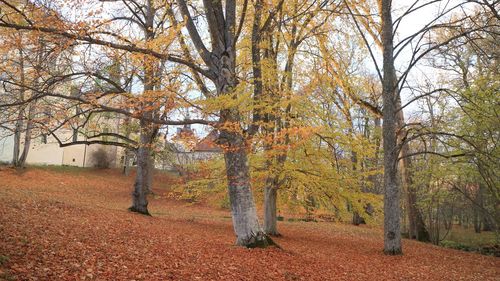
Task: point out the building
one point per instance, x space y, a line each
45 150
184 150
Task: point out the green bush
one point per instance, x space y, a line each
101 158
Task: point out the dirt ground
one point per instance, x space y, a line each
73 225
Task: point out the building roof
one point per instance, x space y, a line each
208 143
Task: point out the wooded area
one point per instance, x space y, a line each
355 111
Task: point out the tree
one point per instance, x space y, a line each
410 51
28 60
283 31
220 68
392 232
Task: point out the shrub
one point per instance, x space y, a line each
101 158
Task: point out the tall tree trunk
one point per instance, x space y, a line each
477 221
279 123
416 229
221 62
127 152
478 209
142 179
27 137
392 211
17 138
243 211
244 214
270 207
270 188
271 193
19 122
375 179
151 166
144 175
126 162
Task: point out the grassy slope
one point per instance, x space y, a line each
69 224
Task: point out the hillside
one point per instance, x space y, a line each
73 225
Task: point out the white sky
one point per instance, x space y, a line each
409 25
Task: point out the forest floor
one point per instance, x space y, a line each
73 225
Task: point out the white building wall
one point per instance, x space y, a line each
6 149
51 154
45 154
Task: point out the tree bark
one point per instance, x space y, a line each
244 214
19 122
145 165
270 207
392 211
417 229
27 138
151 169
245 222
375 179
221 64
477 221
142 179
17 138
126 163
478 209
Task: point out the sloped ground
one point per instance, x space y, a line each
72 225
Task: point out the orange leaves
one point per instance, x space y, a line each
187 138
79 230
297 135
230 127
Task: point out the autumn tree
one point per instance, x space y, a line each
219 67
29 60
282 32
403 54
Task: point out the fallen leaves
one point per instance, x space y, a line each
80 230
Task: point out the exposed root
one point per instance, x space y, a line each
393 252
142 212
261 240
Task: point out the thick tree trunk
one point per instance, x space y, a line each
392 211
486 218
487 223
145 165
270 220
277 123
27 138
245 222
375 179
477 221
221 62
142 179
478 209
275 166
417 229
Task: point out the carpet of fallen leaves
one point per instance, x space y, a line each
73 225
